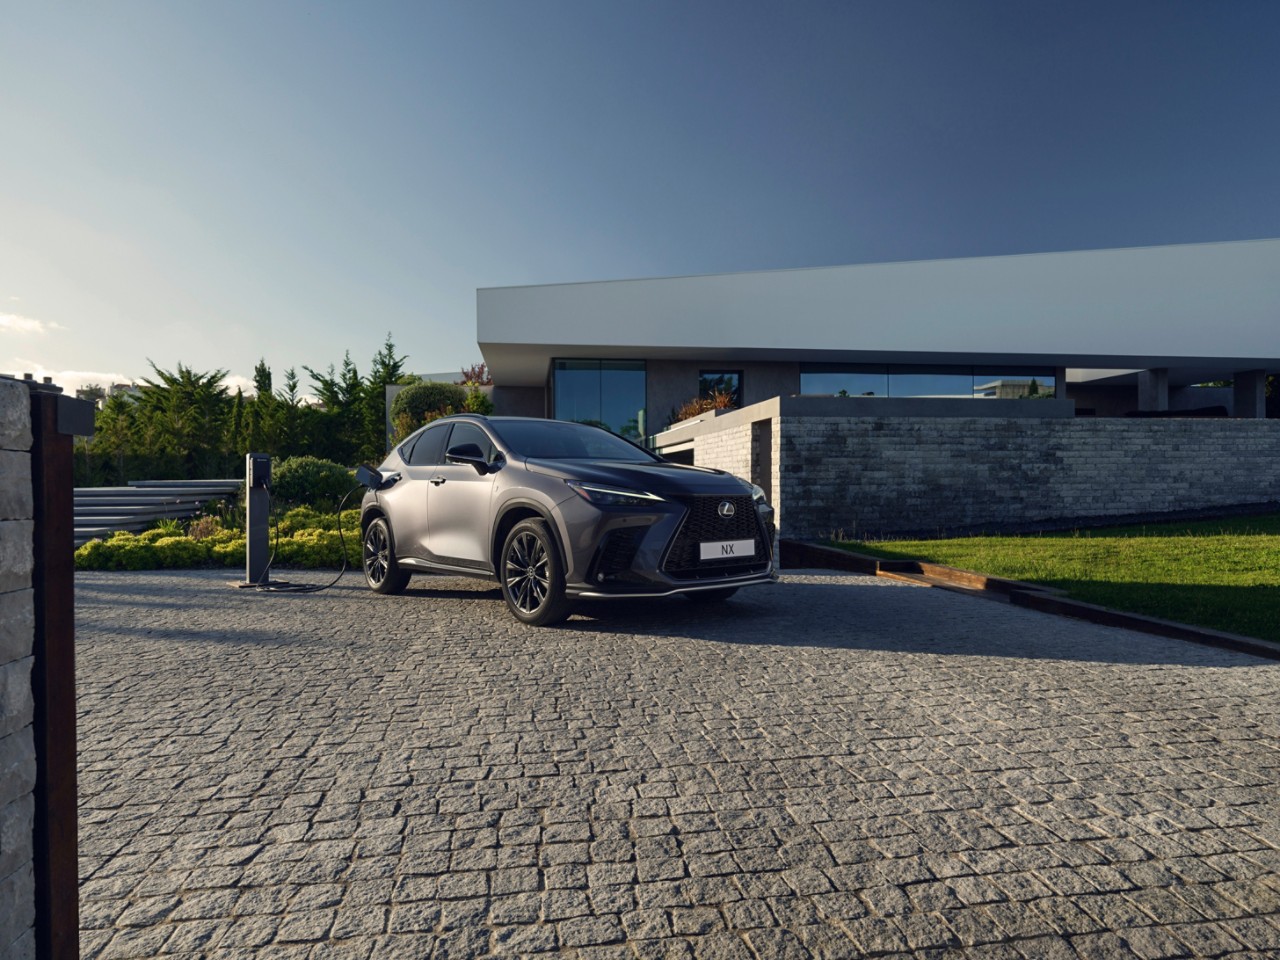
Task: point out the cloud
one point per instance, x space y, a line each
69 380
17 323
234 382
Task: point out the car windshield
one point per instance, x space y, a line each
558 440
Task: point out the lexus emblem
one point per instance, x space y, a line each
726 509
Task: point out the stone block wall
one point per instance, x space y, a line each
728 449
17 633
885 476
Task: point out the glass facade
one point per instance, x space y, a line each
607 393
721 381
948 382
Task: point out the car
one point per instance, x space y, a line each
556 512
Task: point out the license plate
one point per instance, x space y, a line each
726 549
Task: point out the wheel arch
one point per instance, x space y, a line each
371 513
512 513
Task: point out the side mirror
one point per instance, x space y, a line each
468 453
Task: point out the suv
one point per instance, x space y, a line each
556 511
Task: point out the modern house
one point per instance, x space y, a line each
1036 338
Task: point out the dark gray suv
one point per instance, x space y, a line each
556 511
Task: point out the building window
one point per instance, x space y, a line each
937 382
607 393
1018 383
711 382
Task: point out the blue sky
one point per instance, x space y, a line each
208 183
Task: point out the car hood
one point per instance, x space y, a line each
657 477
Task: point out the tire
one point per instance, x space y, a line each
381 572
712 596
532 575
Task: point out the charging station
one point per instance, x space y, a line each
258 555
257 526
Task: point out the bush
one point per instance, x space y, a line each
719 400
203 528
123 551
311 481
181 553
422 399
478 401
303 538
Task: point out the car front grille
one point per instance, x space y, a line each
702 524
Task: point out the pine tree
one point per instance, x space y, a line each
386 368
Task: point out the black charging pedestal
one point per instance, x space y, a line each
257 525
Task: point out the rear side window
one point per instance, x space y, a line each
429 448
465 432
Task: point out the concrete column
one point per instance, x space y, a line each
1153 389
1060 383
1250 394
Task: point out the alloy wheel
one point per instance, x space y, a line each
527 577
377 554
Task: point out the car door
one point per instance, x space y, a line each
458 503
407 499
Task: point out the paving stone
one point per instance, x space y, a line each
837 766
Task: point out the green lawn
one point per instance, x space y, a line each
1223 574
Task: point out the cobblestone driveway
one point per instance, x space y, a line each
836 766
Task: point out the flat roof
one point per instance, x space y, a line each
1198 309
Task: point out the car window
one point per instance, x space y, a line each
465 432
429 448
558 440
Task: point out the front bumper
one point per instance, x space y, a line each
624 552
584 591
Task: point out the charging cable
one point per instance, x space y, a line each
266 585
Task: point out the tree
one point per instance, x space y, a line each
477 374
183 414
338 423
423 402
385 369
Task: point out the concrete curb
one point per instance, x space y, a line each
795 554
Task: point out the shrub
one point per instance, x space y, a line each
228 553
303 538
94 555
203 528
478 401
311 481
719 400
181 552
422 399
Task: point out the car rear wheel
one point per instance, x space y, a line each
712 596
381 571
532 575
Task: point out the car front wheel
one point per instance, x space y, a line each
532 575
381 571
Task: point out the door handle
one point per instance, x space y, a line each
436 480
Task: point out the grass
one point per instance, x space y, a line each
1222 574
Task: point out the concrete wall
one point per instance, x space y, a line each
884 476
519 401
17 634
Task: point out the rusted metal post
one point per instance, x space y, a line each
55 420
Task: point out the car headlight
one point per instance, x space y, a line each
757 493
612 496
